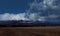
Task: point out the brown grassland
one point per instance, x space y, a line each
30 31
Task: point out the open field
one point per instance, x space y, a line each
30 31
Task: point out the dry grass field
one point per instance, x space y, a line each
30 31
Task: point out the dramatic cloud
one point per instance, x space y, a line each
8 16
45 10
21 16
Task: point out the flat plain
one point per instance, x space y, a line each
30 31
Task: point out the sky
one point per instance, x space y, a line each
32 10
13 6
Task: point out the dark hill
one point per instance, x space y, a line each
28 23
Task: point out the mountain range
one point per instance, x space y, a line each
28 23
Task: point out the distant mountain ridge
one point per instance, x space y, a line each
28 23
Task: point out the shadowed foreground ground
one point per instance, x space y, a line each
30 31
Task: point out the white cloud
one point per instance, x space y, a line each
48 2
21 16
8 16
